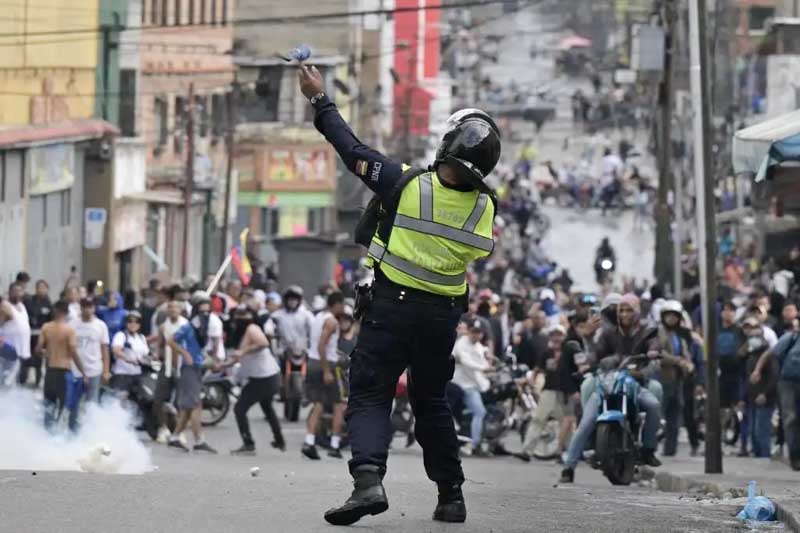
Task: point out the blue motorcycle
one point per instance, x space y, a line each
618 426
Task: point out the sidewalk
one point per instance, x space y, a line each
774 479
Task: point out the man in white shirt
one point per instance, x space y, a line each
167 376
15 327
471 364
91 335
325 379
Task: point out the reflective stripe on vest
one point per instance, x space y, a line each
379 252
443 230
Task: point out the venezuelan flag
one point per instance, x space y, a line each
239 258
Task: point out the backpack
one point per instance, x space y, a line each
790 370
379 214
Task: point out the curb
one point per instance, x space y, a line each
667 482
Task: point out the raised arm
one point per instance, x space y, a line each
377 171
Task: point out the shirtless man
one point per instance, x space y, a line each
57 345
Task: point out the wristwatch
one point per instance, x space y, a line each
316 98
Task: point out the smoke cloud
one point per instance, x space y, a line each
106 443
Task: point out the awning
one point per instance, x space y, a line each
766 144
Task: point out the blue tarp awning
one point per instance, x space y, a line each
766 144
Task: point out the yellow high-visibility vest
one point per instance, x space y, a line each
437 232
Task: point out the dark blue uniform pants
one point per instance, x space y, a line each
395 334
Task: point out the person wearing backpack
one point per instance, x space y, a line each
787 353
421 231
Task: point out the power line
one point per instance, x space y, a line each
287 19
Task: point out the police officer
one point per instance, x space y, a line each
440 220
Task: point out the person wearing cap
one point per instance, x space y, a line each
471 365
92 339
760 397
628 338
422 230
130 350
676 368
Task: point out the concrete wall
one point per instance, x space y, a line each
13 209
45 78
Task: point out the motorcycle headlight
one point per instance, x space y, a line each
606 264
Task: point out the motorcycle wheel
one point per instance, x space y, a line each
216 404
547 446
150 423
618 467
731 429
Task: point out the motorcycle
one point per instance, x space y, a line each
604 269
508 404
402 414
216 394
293 382
619 423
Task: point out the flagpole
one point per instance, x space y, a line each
218 275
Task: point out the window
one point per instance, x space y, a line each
191 11
161 112
213 11
219 115
66 208
759 16
316 220
178 5
144 12
201 114
261 105
202 11
127 102
224 17
154 12
164 12
270 221
180 123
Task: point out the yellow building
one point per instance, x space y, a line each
48 60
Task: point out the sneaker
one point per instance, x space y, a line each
310 451
522 456
466 450
244 449
498 450
279 445
163 435
743 453
567 476
176 443
335 453
204 447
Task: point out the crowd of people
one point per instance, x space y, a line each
87 342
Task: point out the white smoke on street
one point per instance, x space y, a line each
106 443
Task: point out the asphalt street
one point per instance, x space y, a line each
193 493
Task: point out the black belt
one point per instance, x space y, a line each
386 289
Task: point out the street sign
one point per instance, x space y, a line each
94 223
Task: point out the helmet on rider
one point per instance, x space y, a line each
674 308
470 146
200 297
292 297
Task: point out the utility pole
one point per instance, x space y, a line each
189 185
666 98
229 140
706 226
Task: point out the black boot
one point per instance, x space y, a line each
567 476
451 506
649 458
368 497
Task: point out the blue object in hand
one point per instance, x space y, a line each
301 53
758 508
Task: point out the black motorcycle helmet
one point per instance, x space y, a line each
471 146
